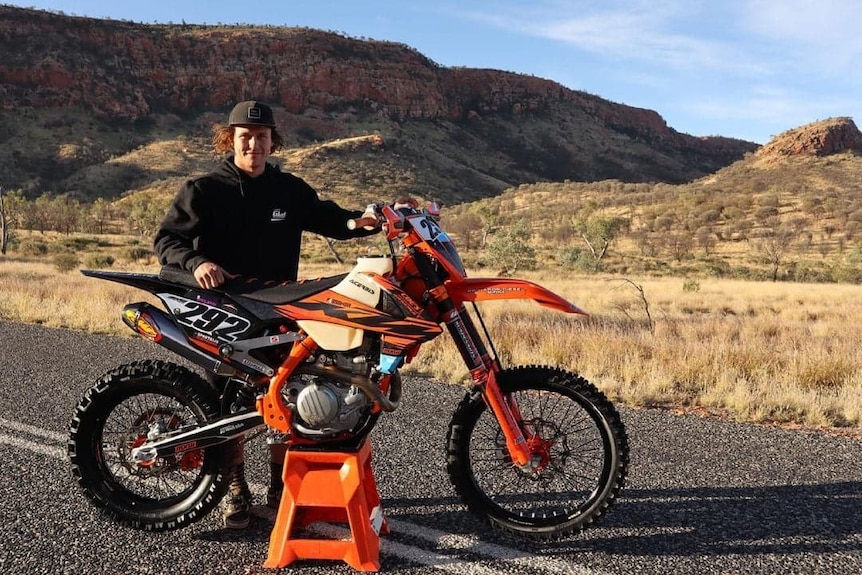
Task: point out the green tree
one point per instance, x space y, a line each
598 232
144 212
510 249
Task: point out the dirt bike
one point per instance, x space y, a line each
536 451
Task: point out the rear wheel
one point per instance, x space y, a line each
579 452
116 415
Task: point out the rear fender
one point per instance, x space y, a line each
487 289
147 282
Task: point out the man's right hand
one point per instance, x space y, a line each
210 275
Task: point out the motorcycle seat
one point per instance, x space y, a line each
280 293
252 288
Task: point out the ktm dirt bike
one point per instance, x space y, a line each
536 451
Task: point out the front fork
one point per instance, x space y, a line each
483 370
506 411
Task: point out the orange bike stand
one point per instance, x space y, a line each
332 487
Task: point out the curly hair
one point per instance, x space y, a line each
223 139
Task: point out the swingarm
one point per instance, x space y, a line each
219 431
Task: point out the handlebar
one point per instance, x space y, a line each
370 219
391 217
363 222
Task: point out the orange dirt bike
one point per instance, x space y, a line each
536 451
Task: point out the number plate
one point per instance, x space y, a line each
206 319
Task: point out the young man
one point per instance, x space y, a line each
246 218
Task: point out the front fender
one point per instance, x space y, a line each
486 289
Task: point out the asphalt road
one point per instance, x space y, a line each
703 497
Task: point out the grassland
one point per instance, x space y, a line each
768 352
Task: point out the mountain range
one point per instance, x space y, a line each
103 108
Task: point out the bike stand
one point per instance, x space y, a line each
329 487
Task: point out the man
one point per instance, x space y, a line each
246 218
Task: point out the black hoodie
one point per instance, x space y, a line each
249 226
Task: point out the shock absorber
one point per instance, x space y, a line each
243 396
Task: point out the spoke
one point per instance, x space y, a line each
130 420
575 450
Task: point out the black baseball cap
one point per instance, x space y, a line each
251 113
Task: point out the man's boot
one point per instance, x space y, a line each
277 453
236 506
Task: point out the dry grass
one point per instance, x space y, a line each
35 292
763 352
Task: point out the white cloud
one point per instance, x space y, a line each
671 33
758 66
770 105
822 34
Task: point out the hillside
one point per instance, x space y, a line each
99 108
792 210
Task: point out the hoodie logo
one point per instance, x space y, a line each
278 215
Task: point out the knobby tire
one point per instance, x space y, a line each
583 447
113 416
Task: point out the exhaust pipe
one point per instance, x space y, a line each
157 326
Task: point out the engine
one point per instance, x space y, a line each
325 406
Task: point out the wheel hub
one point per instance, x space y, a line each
151 426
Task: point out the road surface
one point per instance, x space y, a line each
703 497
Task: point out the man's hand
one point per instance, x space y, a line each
210 275
368 220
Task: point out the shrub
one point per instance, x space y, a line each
135 254
98 261
575 258
33 248
65 261
80 243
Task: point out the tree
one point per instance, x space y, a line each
774 241
490 216
679 244
510 249
98 215
144 212
40 215
466 227
66 214
598 232
706 239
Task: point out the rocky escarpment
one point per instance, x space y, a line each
123 71
822 138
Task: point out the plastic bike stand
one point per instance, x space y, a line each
328 487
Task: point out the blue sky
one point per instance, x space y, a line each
747 69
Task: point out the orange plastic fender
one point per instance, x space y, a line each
484 289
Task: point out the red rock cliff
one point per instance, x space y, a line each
823 138
125 70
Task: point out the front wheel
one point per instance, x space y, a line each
117 414
579 452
